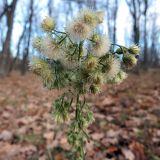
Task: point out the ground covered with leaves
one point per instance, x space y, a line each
127 125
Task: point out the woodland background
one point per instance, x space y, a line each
127 125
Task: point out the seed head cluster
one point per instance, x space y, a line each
80 55
79 60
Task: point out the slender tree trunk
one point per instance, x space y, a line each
135 11
115 20
26 51
108 19
4 65
50 7
145 42
13 62
4 10
145 33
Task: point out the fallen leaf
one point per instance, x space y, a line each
138 150
48 135
128 154
6 135
97 136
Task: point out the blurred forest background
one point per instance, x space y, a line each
127 116
127 22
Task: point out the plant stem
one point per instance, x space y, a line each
70 39
80 50
60 32
74 51
114 44
62 39
121 47
77 103
65 34
56 34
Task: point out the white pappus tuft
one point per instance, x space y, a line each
78 31
100 45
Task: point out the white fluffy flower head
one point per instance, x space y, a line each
101 45
78 30
88 17
48 24
50 48
100 16
37 42
112 67
134 49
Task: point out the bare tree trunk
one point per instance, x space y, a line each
4 10
112 10
13 62
115 20
50 7
4 65
26 51
135 11
91 4
155 30
108 18
145 33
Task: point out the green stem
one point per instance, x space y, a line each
102 64
70 40
114 44
74 51
62 39
65 34
78 113
56 34
121 47
77 103
80 50
60 32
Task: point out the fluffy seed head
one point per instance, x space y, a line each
50 48
94 89
100 16
39 66
91 63
112 67
42 69
134 49
37 42
129 60
101 45
68 63
120 77
88 17
48 24
121 50
78 30
96 77
36 65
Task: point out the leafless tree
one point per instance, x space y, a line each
91 4
155 42
9 11
4 8
27 38
50 7
16 58
146 6
112 11
135 8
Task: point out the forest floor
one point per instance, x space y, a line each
127 125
